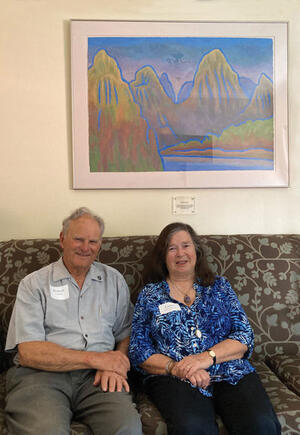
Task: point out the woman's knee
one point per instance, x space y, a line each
260 424
192 425
266 424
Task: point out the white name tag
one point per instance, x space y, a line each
60 293
168 307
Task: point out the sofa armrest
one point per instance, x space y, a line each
287 368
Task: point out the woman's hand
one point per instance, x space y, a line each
189 365
200 378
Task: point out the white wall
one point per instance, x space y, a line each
35 125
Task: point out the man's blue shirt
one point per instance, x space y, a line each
162 325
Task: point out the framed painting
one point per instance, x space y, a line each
179 104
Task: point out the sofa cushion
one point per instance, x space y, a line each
285 402
287 368
79 429
152 421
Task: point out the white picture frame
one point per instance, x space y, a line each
84 178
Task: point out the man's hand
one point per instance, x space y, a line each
111 381
112 360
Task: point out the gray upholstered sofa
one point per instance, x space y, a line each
265 273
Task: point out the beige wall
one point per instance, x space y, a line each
35 125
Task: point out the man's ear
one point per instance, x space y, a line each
61 239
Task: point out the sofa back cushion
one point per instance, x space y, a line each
264 270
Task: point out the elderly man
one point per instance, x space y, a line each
70 325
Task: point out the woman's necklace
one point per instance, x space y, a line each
187 300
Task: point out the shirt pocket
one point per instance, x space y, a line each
60 315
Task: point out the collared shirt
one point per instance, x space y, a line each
51 307
162 325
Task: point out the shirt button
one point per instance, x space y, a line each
81 317
198 333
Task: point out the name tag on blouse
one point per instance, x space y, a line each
60 293
168 307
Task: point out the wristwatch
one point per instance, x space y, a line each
212 354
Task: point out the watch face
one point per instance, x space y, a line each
212 354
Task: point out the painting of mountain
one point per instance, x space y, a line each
162 104
119 138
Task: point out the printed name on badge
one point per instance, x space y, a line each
60 293
168 307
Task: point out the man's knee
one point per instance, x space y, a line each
131 425
32 408
34 421
30 418
114 411
127 420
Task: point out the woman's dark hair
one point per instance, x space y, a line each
155 265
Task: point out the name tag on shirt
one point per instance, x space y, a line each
60 293
168 307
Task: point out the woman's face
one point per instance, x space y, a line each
181 256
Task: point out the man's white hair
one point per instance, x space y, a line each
76 214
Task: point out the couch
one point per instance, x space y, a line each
264 270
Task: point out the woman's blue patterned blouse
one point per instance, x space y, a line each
165 326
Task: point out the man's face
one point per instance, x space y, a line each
81 244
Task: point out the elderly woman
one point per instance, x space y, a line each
192 341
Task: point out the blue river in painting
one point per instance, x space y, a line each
215 164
